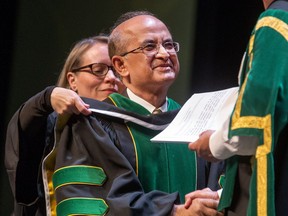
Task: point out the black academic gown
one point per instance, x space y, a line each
102 146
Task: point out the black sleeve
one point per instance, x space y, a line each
34 112
25 141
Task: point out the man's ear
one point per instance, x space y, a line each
71 77
119 65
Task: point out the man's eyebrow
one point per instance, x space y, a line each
147 41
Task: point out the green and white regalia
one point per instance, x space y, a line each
262 111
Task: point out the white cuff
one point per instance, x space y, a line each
219 148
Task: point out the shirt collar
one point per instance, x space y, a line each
146 104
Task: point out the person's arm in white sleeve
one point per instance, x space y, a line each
214 145
222 148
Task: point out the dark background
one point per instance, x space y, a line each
36 37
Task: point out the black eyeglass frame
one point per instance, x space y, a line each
176 46
90 66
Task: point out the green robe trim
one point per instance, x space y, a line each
78 175
82 206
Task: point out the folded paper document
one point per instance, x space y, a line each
203 111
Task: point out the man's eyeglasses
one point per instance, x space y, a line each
151 49
97 69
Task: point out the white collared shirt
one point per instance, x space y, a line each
146 104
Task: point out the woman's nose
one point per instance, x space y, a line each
110 75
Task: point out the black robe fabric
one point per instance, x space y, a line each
28 134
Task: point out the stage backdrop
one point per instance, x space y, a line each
36 37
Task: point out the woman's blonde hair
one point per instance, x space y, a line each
75 57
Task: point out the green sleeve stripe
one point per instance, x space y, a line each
78 175
82 206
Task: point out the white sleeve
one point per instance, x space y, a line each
222 148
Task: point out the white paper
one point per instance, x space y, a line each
203 111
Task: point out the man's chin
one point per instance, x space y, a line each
169 76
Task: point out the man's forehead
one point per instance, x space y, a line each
140 22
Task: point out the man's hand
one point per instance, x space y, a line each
201 146
206 193
201 202
66 101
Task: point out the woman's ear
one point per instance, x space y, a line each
72 80
119 65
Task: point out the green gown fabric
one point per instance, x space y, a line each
166 161
261 111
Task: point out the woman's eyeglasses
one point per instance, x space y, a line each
97 69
